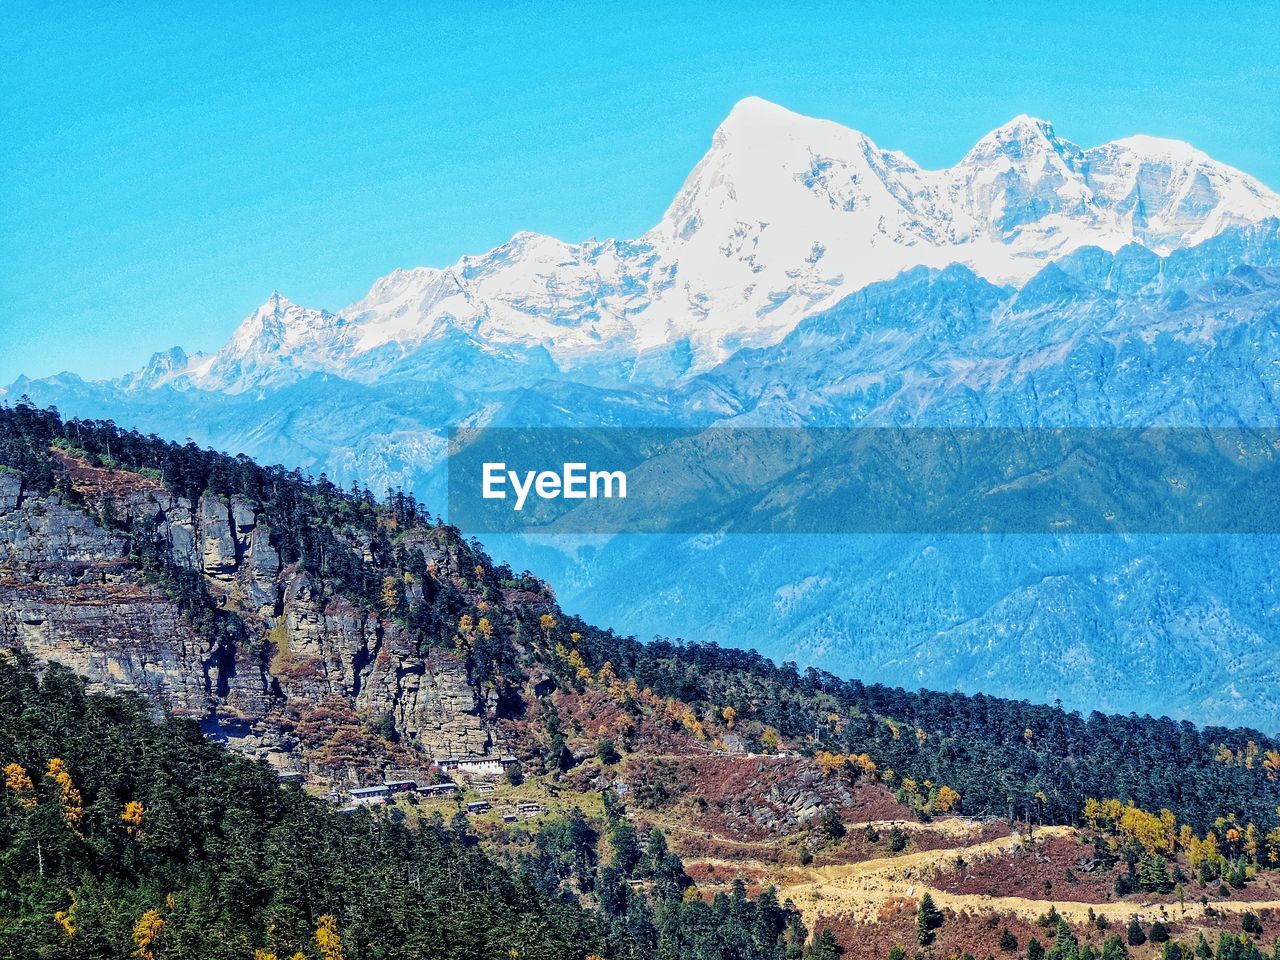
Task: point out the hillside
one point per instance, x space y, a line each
1095 338
341 638
124 837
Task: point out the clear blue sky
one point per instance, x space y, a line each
163 171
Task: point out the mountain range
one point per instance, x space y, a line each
804 276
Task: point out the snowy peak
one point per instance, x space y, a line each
1172 195
274 345
764 160
1022 137
280 322
783 216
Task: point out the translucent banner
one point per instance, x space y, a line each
864 480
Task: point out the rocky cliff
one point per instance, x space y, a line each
70 591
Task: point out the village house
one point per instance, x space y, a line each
478 806
530 810
369 796
400 786
438 789
477 767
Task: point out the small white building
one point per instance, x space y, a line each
477 767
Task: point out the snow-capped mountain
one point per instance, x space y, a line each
784 216
804 276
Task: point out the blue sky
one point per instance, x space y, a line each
164 171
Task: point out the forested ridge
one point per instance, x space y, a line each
1042 762
121 836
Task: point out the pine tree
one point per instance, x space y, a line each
1136 935
1065 945
927 920
825 946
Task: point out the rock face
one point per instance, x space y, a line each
70 593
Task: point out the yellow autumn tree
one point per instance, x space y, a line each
132 817
1103 814
1271 764
1154 833
864 765
18 782
691 723
947 799
607 677
730 716
390 594
466 632
547 622
1252 842
580 668
1273 847
66 919
328 940
146 932
68 795
829 763
1092 812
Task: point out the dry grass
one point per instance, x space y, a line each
862 891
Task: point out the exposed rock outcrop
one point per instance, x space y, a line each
69 592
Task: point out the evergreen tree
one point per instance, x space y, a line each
928 919
825 946
1136 936
1065 946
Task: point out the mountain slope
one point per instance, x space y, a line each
400 590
